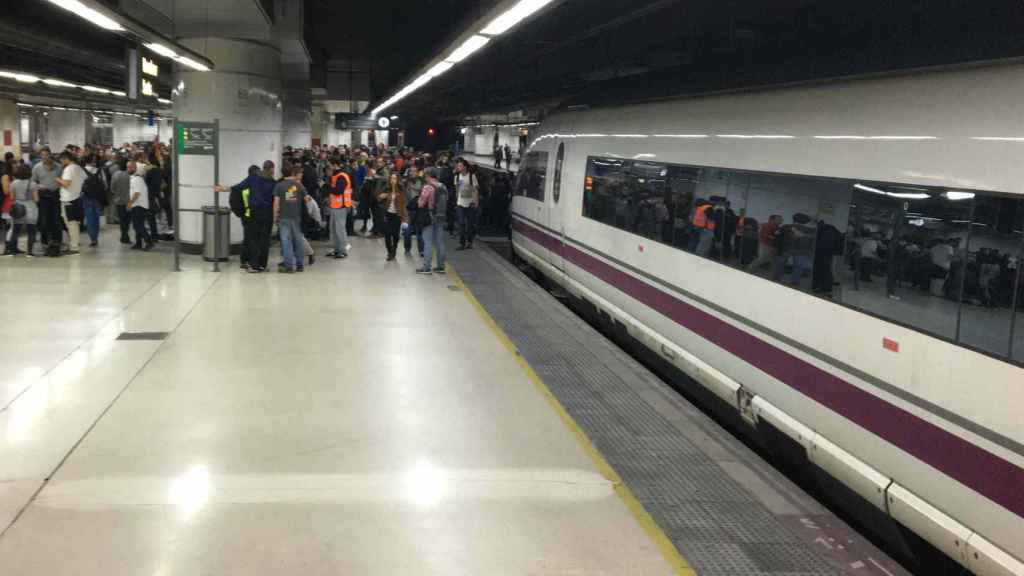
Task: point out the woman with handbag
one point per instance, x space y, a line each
24 211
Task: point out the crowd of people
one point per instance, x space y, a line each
332 193
49 198
320 194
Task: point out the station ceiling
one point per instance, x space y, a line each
604 51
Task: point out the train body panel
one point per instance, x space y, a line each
941 420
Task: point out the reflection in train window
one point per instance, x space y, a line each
532 176
945 262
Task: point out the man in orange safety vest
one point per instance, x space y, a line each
340 204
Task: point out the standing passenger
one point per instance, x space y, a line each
289 196
395 214
71 180
433 199
45 175
340 205
120 183
138 204
467 188
26 193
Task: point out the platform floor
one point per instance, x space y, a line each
355 419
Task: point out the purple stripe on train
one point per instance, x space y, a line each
989 475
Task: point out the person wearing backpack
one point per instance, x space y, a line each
238 202
94 198
430 216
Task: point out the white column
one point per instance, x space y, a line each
244 94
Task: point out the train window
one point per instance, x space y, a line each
991 274
946 262
532 176
556 188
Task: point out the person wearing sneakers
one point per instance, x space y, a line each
71 180
431 213
289 196
138 206
340 205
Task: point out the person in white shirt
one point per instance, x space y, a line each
71 179
138 206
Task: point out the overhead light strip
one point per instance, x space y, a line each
109 20
513 16
499 25
90 14
57 83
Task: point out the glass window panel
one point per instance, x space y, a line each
907 250
1016 268
532 176
985 314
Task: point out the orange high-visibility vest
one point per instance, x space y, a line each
344 199
700 217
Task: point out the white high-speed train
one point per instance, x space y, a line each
861 292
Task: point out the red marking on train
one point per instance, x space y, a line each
890 345
640 248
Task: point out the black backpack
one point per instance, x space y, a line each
94 189
236 202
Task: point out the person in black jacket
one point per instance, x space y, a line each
154 184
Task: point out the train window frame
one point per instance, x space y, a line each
556 187
589 201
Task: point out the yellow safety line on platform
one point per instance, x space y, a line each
668 550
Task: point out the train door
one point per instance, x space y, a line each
531 196
556 220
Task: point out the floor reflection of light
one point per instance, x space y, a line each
26 411
190 491
424 484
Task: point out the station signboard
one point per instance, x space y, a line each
197 138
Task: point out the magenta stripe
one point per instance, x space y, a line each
989 475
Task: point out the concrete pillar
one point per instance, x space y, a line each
298 122
65 127
10 128
244 93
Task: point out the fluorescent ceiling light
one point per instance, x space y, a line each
118 93
903 137
192 64
681 136
162 50
26 78
954 195
96 89
164 101
394 117
999 138
89 14
513 16
841 137
439 68
471 45
55 82
902 195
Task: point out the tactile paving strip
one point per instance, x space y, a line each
715 523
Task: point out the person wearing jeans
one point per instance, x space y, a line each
289 195
340 204
433 199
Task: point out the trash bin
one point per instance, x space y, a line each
223 248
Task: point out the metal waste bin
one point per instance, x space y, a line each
222 248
